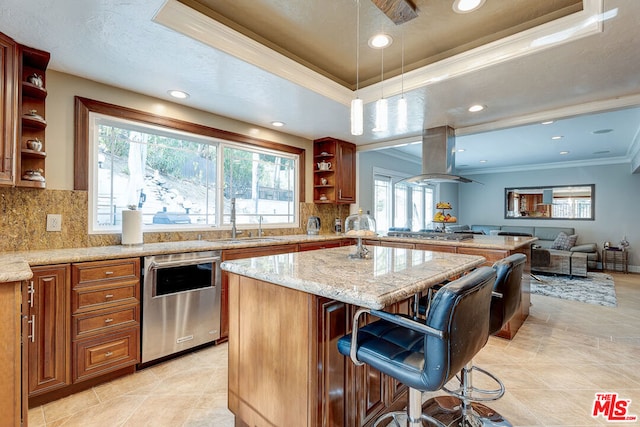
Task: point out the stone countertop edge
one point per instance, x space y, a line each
360 281
14 266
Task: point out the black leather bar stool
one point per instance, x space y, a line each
424 356
504 304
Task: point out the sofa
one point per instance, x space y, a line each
546 238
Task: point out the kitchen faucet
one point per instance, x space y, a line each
260 227
234 231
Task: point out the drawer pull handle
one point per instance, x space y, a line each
33 328
108 273
31 291
108 354
107 296
108 320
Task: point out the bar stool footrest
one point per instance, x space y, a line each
448 411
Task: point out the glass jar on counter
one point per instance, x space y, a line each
358 226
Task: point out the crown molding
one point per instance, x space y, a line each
198 26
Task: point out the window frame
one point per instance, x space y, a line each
82 140
396 177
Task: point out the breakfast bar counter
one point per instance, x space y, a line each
287 313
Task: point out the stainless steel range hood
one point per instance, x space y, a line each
438 158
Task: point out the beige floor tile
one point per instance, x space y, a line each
142 382
111 413
563 354
159 411
211 417
70 405
36 417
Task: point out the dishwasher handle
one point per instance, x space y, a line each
153 265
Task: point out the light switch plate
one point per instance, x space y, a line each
54 222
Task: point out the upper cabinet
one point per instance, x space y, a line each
22 118
9 106
334 171
31 142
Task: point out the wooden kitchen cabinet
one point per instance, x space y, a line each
9 106
312 246
13 396
105 307
326 387
48 334
31 105
338 183
22 117
231 254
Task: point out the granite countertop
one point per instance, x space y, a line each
389 275
479 241
14 266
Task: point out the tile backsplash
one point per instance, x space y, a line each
23 220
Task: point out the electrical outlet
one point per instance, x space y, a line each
54 222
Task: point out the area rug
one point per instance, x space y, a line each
596 288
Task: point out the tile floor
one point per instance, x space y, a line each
564 353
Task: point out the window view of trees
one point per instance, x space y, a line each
180 180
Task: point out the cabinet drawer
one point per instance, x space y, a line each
102 354
104 320
92 273
92 298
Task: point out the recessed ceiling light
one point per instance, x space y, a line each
557 137
564 152
178 94
466 6
277 124
548 122
601 131
460 150
484 161
476 108
380 41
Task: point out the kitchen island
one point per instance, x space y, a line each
287 313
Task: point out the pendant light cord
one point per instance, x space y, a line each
357 47
402 62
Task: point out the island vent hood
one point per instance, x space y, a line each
438 158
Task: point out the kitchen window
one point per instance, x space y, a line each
400 206
182 180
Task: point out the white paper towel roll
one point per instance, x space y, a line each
131 227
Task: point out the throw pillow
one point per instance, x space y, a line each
564 242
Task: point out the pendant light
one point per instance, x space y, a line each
382 108
357 107
402 103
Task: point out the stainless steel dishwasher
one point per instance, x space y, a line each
180 302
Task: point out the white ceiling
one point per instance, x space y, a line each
581 64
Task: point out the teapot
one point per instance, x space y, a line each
35 80
34 144
324 166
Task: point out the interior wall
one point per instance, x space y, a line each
367 161
59 136
616 202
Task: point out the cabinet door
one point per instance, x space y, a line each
49 337
8 108
335 392
232 254
346 172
